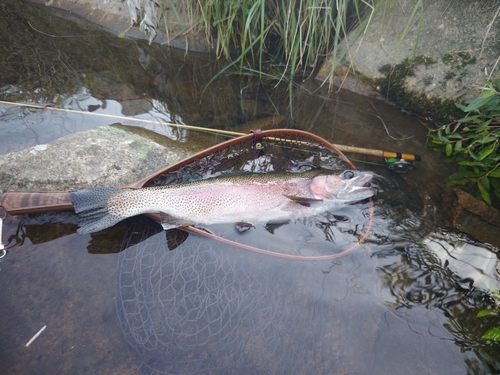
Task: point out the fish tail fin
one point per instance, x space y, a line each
91 205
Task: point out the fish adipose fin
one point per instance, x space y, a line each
91 205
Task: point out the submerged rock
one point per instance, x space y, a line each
455 209
107 155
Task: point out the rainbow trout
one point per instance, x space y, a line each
247 198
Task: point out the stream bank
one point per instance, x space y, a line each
421 55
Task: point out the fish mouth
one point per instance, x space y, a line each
355 187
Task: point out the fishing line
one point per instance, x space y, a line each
156 122
343 148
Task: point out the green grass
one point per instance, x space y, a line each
297 35
282 39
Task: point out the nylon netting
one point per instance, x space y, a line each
212 308
282 153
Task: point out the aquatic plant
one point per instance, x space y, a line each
472 142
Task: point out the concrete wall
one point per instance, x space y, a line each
455 45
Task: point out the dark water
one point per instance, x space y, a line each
403 302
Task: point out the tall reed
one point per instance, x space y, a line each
295 33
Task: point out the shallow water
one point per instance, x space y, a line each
404 301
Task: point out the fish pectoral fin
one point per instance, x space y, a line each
302 199
170 222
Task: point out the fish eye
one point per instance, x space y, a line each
347 175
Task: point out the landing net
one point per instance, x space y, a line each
209 307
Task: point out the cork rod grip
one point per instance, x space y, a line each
29 202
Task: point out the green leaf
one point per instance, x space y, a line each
482 126
455 136
461 181
483 99
471 163
482 313
441 137
472 154
470 118
465 174
491 106
496 187
492 334
495 172
476 103
484 189
121 35
488 139
494 157
488 150
458 145
449 149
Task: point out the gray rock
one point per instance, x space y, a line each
455 46
121 17
108 155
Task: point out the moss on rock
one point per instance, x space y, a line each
393 86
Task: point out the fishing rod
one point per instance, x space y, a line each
398 162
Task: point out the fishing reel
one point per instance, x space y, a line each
399 165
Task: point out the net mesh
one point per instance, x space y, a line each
274 153
212 308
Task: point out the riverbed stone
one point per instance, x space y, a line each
112 155
451 208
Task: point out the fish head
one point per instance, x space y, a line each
349 186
